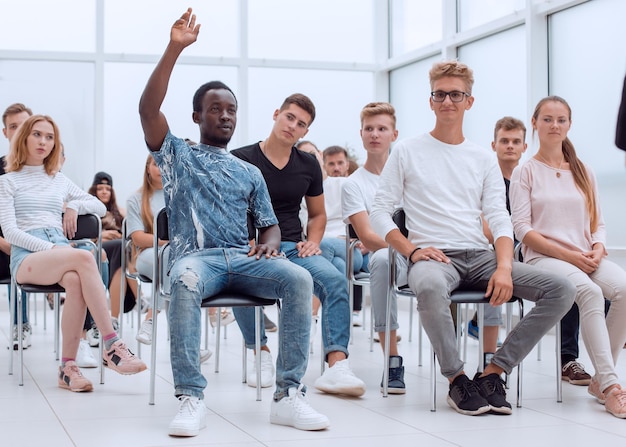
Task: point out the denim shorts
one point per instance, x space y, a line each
18 254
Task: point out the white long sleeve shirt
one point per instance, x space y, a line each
444 189
31 199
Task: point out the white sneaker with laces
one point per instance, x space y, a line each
84 356
93 337
339 379
267 371
295 411
145 332
191 417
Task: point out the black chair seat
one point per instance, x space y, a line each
227 299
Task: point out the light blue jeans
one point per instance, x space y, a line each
334 249
208 272
330 286
432 282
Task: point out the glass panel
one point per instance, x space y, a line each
587 70
499 84
63 90
60 25
409 93
125 21
473 13
125 151
414 24
338 96
323 30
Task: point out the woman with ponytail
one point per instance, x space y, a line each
556 214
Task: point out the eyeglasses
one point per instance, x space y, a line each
455 95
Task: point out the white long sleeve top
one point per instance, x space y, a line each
554 207
444 189
32 199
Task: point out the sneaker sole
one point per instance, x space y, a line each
313 426
394 390
185 432
501 410
479 411
144 341
580 382
85 389
115 368
347 391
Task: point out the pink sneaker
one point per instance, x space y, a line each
119 358
594 390
616 402
70 378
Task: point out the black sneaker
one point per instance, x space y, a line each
464 396
395 384
492 388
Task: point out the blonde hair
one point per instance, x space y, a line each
579 172
18 153
379 108
147 191
453 69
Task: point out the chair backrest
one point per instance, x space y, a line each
399 218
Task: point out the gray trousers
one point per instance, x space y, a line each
379 285
432 282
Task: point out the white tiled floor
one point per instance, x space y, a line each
117 413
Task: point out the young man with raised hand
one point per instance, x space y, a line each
208 193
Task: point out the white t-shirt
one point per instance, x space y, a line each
358 193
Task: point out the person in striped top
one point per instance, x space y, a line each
32 195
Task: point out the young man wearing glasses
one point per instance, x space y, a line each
445 183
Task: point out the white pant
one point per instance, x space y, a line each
604 338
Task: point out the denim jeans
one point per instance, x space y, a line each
432 282
334 249
330 286
208 272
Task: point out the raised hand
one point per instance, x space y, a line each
185 31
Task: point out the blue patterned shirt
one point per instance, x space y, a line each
208 193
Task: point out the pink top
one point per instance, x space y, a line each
553 206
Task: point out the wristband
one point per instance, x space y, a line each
412 253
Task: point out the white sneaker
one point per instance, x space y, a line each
339 379
93 337
205 354
356 319
84 356
115 323
267 371
190 419
295 411
145 332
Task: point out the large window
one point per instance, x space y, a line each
414 24
587 69
473 13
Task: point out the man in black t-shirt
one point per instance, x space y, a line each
290 175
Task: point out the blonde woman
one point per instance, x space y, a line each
32 195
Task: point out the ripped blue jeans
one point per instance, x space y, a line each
208 272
